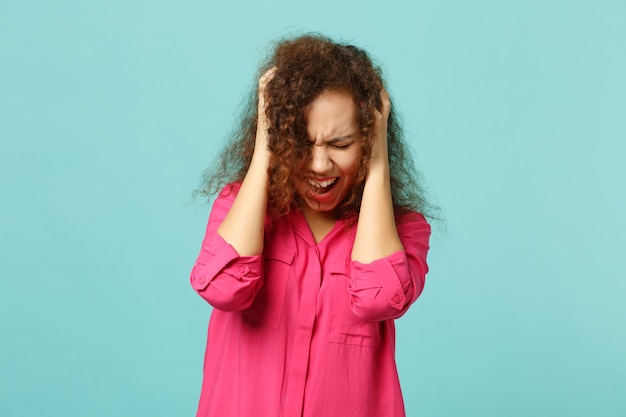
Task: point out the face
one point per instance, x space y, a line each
335 139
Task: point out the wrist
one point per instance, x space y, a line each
378 168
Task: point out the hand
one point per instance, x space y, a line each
262 123
379 147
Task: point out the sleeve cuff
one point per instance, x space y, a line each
386 273
221 253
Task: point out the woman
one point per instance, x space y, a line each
314 247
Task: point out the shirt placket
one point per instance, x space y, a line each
304 332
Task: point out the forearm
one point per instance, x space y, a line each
243 226
376 235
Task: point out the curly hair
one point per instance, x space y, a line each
305 67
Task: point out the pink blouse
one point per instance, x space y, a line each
302 330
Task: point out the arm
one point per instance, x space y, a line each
243 226
227 281
228 271
388 259
376 233
386 288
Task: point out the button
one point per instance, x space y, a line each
397 299
201 280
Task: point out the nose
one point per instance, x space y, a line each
320 160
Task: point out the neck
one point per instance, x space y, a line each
321 223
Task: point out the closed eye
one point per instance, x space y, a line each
342 146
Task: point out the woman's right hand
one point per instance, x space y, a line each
261 143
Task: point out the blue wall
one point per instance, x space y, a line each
110 109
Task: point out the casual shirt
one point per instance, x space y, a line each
301 330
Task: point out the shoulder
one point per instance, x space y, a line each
412 225
223 202
230 190
407 216
227 195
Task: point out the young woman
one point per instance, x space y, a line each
314 245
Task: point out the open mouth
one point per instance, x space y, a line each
322 187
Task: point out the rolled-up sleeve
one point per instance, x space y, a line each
229 282
385 288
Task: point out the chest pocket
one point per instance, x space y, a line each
345 327
267 307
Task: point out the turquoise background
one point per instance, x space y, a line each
110 110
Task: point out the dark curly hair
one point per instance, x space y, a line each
306 66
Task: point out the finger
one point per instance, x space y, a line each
266 78
263 81
386 102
